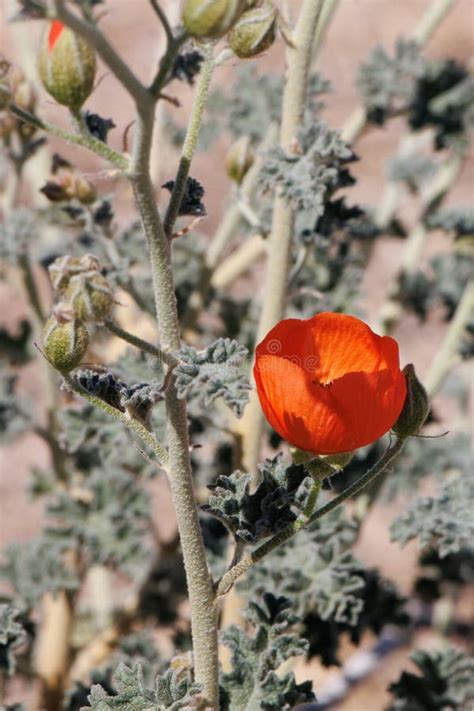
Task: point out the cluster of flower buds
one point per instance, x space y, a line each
15 89
250 24
80 284
82 294
66 65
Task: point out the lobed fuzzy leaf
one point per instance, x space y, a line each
12 635
253 516
218 371
446 682
172 691
253 683
444 522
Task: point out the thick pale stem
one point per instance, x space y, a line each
280 239
392 309
446 354
200 584
250 559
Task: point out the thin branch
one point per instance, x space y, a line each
79 139
166 64
164 21
190 142
106 52
130 423
250 559
139 343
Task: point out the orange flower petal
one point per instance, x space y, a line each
329 384
54 33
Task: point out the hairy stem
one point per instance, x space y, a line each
200 584
140 343
106 52
130 423
79 139
250 559
280 239
190 142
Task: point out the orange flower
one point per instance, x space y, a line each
54 32
329 384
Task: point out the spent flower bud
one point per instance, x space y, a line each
416 407
254 32
239 159
66 65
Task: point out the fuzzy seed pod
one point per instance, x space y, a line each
240 158
65 343
90 295
254 32
416 407
211 19
66 66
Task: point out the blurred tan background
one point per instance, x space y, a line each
357 26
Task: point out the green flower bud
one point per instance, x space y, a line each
254 32
66 66
65 342
416 407
240 158
211 19
90 296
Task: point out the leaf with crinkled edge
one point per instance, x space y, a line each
330 585
218 371
459 219
253 684
34 568
422 458
12 635
272 506
108 517
446 682
308 177
172 692
443 522
388 84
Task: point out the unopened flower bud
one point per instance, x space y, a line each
416 407
211 19
66 66
254 32
240 158
91 296
84 191
65 343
